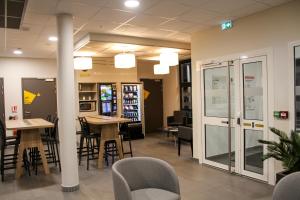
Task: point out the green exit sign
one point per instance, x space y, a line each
226 25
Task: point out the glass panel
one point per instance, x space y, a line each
216 92
253 151
216 144
253 91
297 87
186 98
216 95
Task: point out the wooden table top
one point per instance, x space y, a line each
27 124
104 120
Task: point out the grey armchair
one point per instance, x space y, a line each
288 188
144 178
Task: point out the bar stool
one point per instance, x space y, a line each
125 136
8 160
90 139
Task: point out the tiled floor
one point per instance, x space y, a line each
197 182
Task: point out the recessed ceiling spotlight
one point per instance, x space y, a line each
18 52
132 3
52 38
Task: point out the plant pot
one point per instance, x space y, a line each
281 175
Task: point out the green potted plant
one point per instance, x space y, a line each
287 151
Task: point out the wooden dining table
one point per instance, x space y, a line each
109 131
30 137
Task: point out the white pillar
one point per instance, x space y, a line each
66 103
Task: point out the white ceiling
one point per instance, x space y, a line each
162 19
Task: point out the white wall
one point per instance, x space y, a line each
274 29
13 70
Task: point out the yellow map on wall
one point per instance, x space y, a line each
146 94
29 97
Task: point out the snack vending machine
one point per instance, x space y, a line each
107 99
132 108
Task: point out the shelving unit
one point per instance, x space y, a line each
131 104
185 68
87 95
87 92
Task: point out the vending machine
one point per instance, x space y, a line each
107 99
132 108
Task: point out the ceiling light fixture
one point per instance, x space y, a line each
52 38
132 3
161 69
125 60
83 63
169 58
18 52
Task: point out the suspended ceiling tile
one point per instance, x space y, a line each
80 10
114 16
95 3
102 26
168 8
193 3
176 25
36 19
42 6
147 20
195 28
251 9
198 16
31 28
225 7
157 33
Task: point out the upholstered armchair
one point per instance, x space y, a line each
144 178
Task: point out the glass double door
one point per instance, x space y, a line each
234 96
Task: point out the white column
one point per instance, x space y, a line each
66 103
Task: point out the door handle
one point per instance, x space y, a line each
224 122
238 121
27 112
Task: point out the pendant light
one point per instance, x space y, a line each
161 69
83 63
125 60
169 58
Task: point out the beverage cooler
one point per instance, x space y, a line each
107 99
132 108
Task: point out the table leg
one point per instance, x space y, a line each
101 153
19 169
44 159
119 146
30 139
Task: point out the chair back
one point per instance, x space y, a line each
142 172
288 188
85 127
185 132
2 134
54 130
179 116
